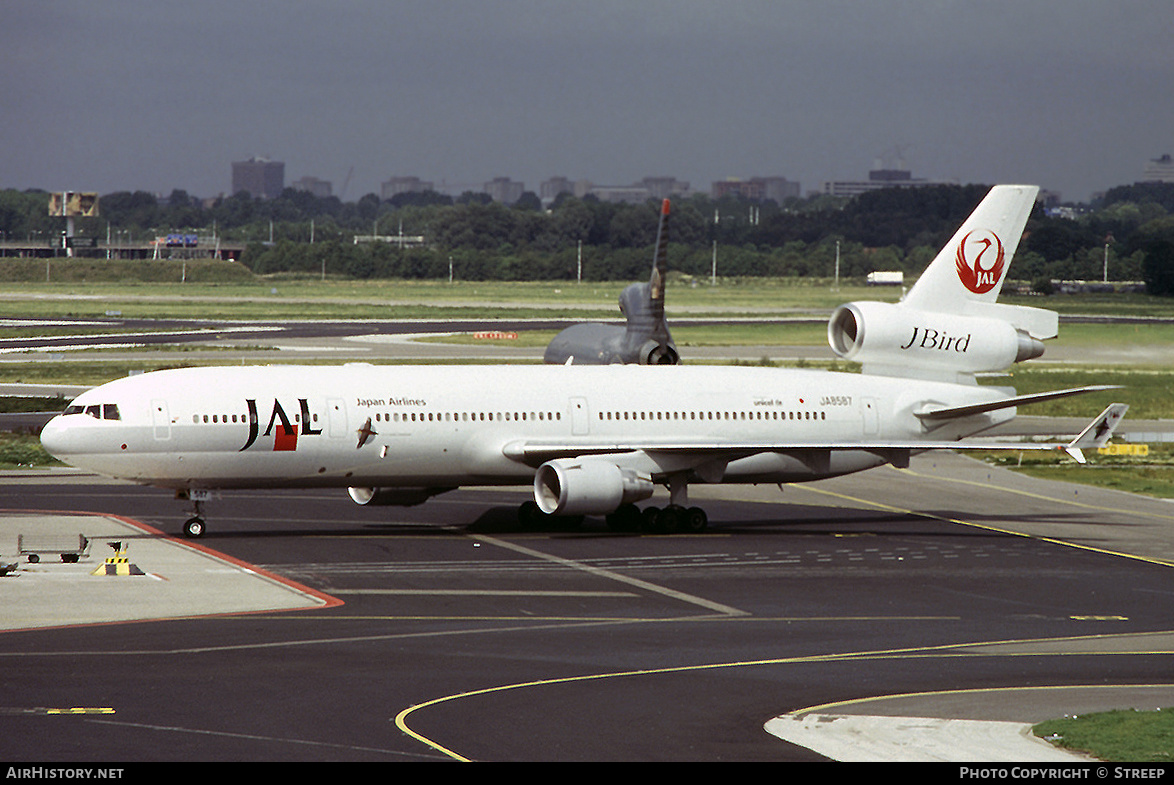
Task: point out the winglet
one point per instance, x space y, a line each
1098 432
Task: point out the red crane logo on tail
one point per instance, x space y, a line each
980 261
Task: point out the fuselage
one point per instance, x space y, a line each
446 426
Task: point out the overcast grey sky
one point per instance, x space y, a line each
1073 95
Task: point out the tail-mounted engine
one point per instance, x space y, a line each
656 353
893 340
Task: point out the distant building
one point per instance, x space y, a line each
404 185
1159 170
551 189
312 185
259 177
637 193
622 194
665 187
878 178
504 190
756 189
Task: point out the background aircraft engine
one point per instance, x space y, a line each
587 486
393 497
653 353
885 336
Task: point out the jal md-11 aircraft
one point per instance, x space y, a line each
594 440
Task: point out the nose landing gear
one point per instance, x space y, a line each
194 526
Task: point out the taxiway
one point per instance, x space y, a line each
442 632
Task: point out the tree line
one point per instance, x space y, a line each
472 238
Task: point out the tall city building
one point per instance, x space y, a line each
1159 170
878 179
395 186
319 188
259 177
504 190
774 189
552 188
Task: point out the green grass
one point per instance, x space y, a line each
286 297
797 333
1119 736
24 451
1149 475
1149 392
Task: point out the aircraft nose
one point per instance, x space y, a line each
56 438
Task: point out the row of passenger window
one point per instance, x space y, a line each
111 413
222 418
469 417
772 414
604 416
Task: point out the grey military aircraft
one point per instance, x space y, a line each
644 340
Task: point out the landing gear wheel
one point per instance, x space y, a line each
625 519
531 516
696 520
671 519
193 528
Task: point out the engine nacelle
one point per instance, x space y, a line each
884 336
587 486
653 353
393 497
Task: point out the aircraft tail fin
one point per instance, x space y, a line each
660 263
972 266
647 335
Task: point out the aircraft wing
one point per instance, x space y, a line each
685 453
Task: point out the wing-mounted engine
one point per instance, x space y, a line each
587 486
645 339
892 340
393 497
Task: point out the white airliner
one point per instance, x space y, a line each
593 440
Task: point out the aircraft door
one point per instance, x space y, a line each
580 419
871 412
161 420
336 417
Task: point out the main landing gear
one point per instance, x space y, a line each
668 520
678 516
672 519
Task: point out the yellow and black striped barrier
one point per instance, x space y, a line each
118 564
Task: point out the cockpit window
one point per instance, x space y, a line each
105 411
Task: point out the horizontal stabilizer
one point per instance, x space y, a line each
1098 432
953 412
